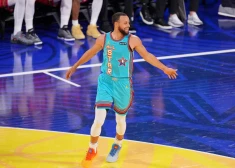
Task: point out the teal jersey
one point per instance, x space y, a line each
117 57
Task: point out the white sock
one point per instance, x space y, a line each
18 15
29 13
93 146
96 8
118 142
75 22
65 10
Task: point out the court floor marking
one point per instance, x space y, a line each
124 139
62 79
136 60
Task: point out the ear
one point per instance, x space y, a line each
115 24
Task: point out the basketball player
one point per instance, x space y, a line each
114 83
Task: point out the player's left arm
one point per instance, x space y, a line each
136 44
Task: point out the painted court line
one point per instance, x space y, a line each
136 60
62 79
125 140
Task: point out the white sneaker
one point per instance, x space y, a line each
174 21
194 20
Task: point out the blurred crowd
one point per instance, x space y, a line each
151 13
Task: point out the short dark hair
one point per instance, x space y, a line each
116 16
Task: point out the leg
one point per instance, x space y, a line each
120 128
103 102
160 8
18 15
173 6
100 115
96 8
129 9
76 28
65 10
144 13
92 28
193 7
123 96
193 19
105 26
173 19
29 13
19 11
159 17
75 12
104 11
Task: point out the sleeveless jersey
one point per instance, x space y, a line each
117 57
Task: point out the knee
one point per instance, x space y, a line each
98 123
121 120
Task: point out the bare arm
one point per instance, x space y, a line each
137 45
91 52
87 55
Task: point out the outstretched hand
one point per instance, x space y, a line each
172 74
70 72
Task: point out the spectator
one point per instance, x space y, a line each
92 28
76 28
105 26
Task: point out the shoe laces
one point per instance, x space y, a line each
89 154
32 33
114 150
65 28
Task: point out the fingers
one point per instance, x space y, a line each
173 76
68 74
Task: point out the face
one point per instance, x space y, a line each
124 25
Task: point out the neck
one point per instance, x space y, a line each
117 35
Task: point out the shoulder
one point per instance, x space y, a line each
134 41
100 40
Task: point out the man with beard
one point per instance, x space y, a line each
115 81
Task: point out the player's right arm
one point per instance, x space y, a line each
99 44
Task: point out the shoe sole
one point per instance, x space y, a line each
195 24
92 36
38 43
163 27
225 14
145 21
62 38
174 25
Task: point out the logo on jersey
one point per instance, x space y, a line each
123 43
122 61
109 55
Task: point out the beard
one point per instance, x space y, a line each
124 33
